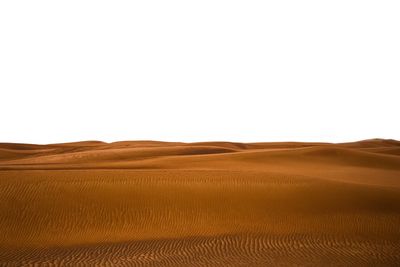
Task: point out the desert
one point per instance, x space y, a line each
152 203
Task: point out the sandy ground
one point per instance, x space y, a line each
145 203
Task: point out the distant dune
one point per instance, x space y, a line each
150 203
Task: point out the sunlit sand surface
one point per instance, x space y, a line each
144 203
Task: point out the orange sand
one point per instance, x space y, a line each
200 204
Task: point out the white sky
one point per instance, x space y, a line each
199 70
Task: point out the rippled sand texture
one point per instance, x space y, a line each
200 204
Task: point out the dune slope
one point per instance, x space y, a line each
146 203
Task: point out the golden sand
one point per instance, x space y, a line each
145 203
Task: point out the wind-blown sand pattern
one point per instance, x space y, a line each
145 203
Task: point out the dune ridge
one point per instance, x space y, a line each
151 203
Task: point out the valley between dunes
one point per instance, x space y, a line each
148 203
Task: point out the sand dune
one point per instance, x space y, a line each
147 203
